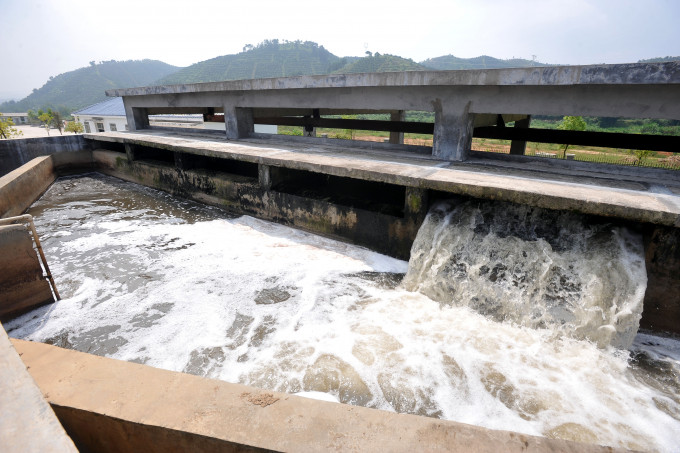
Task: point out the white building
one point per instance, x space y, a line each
17 118
105 116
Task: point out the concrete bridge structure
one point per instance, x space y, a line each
462 102
374 194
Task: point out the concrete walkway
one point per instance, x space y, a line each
27 423
641 195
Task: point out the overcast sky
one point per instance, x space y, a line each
46 38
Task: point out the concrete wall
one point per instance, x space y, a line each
15 153
27 423
108 405
22 286
389 233
21 187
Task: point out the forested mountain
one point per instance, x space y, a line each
271 58
449 62
380 63
85 86
274 58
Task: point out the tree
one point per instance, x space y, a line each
75 127
57 121
6 128
571 123
33 117
46 118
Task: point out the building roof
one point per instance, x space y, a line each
14 114
110 107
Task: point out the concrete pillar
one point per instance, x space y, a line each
518 147
309 131
416 204
238 122
264 177
183 160
397 137
453 126
130 152
137 118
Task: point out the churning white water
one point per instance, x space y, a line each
517 343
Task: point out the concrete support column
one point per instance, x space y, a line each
453 126
397 137
130 152
183 160
416 204
137 118
238 122
518 147
264 177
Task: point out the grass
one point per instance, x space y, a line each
656 159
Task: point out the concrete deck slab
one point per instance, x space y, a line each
27 423
111 405
641 198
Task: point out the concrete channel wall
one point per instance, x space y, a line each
109 405
15 153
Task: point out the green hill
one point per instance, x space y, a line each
380 63
271 58
449 62
85 86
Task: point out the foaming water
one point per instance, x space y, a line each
152 279
533 267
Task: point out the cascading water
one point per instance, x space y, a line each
148 278
534 267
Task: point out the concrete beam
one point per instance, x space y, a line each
616 74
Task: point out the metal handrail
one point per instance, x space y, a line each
27 218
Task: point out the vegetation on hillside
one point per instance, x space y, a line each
85 86
271 58
380 63
449 62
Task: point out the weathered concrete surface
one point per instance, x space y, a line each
22 286
620 74
457 97
656 202
662 299
389 234
27 423
108 405
21 187
15 153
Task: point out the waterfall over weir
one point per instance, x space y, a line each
533 267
